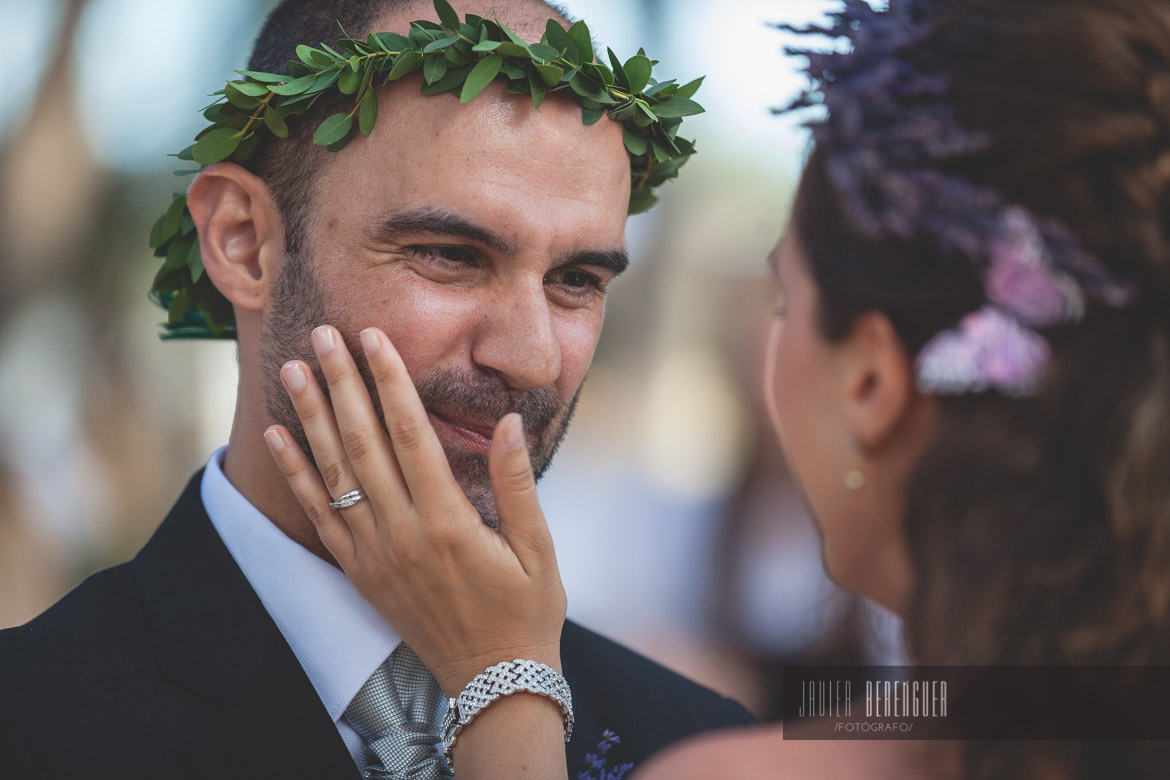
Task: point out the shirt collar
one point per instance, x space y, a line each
338 637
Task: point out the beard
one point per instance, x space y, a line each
299 305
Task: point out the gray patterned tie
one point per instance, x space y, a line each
399 712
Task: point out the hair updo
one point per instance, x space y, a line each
1038 528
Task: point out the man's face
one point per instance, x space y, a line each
480 238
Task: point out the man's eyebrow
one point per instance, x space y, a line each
614 260
444 223
448 223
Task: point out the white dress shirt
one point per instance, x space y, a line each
337 636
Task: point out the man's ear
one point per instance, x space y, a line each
241 236
880 392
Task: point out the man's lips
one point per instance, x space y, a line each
474 435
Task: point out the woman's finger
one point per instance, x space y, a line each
320 426
522 522
366 446
420 455
310 490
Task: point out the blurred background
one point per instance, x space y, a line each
678 529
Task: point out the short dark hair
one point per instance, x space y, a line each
291 167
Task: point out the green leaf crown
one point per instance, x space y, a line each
457 57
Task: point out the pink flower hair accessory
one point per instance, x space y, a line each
989 350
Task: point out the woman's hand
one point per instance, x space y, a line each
462 595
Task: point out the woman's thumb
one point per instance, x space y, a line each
521 520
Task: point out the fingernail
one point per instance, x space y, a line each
515 433
275 442
323 339
370 341
294 377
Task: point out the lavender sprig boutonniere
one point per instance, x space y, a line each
595 763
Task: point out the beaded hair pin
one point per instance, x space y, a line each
887 128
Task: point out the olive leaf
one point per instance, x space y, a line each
447 14
275 122
676 106
349 81
341 82
435 67
481 75
216 145
333 129
368 112
168 224
579 32
637 70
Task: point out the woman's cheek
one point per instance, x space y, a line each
772 377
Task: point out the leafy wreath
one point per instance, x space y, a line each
457 57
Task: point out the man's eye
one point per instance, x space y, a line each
577 283
580 279
451 255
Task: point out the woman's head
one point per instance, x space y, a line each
851 425
1008 529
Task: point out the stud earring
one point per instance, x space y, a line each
854 477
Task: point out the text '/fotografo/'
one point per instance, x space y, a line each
984 703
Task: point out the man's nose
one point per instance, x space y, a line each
518 337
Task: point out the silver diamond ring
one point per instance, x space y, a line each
348 500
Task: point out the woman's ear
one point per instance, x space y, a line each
880 392
241 236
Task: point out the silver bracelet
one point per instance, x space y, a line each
504 679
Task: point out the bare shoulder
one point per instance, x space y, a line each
762 753
739 753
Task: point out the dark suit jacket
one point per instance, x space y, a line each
168 666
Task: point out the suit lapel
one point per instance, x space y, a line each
213 637
273 727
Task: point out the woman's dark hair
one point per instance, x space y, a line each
1039 528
